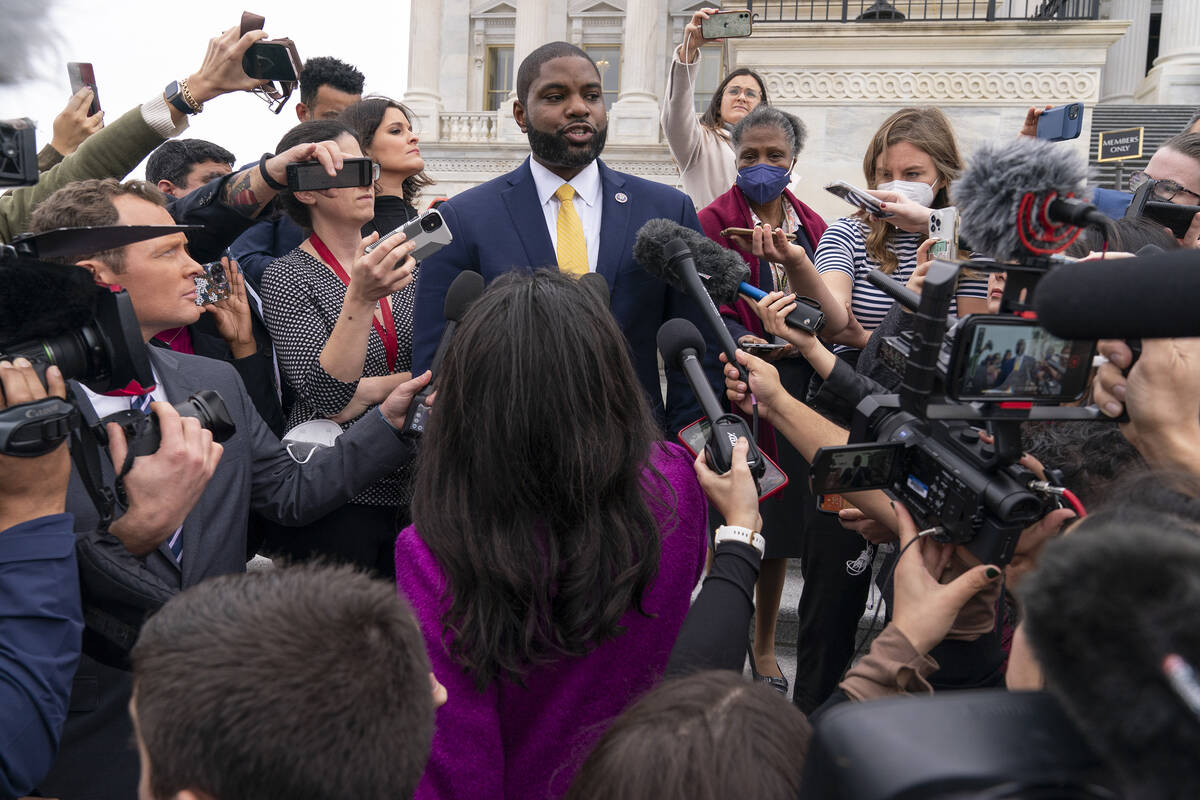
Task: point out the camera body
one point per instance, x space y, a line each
144 435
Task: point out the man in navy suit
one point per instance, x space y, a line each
516 222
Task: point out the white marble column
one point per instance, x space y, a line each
1125 66
634 117
1175 77
531 32
425 65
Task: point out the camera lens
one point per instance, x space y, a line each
431 223
208 407
1073 112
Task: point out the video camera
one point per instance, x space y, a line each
54 314
924 445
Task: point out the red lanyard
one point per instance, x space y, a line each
386 331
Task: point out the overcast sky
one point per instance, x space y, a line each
138 47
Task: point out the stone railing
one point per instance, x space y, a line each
468 126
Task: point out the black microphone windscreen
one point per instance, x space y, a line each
722 270
677 335
1147 297
988 195
464 290
39 299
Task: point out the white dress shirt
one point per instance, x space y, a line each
587 204
106 404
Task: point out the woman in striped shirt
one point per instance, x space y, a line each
909 165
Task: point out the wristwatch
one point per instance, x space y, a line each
177 95
736 533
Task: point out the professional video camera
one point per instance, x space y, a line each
55 314
18 152
924 445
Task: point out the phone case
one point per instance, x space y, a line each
727 25
1061 123
693 439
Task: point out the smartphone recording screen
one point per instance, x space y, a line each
854 468
1012 359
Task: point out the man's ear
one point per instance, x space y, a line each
102 273
302 112
519 115
167 188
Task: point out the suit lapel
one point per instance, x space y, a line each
614 223
521 199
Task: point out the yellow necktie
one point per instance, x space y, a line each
572 248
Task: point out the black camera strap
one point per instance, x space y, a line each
86 441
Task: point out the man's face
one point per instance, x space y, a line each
158 273
564 115
200 173
328 103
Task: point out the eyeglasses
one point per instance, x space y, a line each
1163 190
735 91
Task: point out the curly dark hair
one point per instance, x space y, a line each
365 117
767 117
315 130
1092 454
173 159
546 538
327 71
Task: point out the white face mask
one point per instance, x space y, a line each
919 192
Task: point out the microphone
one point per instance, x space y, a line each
680 343
1016 200
1146 297
464 290
723 272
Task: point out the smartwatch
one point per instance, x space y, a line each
174 94
736 533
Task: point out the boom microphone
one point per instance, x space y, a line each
1148 297
680 343
723 272
464 290
1017 200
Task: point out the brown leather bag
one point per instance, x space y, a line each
266 58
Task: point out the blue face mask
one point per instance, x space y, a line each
762 183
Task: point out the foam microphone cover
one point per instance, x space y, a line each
464 290
722 269
675 336
39 299
1150 297
988 195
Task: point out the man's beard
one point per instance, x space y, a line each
553 148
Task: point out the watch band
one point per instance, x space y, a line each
266 176
736 533
176 95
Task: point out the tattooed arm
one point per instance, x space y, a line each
248 193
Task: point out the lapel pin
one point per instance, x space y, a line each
621 197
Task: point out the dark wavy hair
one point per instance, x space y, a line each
315 130
708 736
712 115
534 481
364 118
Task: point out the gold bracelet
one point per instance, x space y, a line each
187 97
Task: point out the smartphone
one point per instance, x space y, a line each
943 227
831 503
695 436
271 61
1003 358
761 348
857 197
81 74
429 231
855 467
1061 123
309 176
1175 216
727 25
748 232
214 286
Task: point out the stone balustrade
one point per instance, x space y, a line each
467 126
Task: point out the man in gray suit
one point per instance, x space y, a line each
1022 377
187 504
